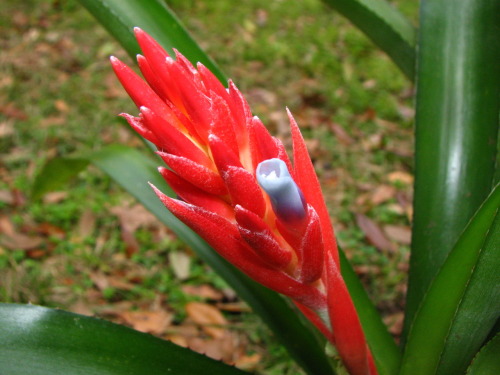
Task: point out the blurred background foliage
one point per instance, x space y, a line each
91 249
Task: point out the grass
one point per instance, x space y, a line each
60 98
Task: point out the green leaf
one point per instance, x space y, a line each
385 26
56 173
119 17
479 308
458 101
469 276
487 362
385 352
132 170
39 341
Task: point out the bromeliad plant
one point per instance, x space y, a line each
278 233
239 191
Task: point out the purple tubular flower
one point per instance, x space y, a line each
286 198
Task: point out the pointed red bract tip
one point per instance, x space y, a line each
197 174
137 124
148 44
306 178
171 139
190 193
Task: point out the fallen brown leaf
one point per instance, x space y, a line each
6 226
52 121
134 217
55 197
248 362
234 307
99 279
103 281
342 135
369 115
6 129
401 234
36 253
178 340
369 84
14 240
203 291
406 203
208 317
374 233
6 197
367 269
382 194
372 142
61 105
86 224
184 330
19 241
120 283
222 349
180 263
81 307
400 148
395 323
10 110
154 322
407 112
400 176
396 208
50 230
131 244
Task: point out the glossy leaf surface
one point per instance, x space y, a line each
458 99
39 341
385 26
479 308
448 309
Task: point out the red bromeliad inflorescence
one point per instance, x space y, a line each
239 191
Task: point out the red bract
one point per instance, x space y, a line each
272 224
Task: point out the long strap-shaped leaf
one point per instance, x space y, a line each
385 26
458 99
487 361
469 275
479 308
36 340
